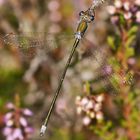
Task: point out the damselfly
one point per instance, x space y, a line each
30 43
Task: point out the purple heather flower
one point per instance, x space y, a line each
84 101
8 116
111 9
126 5
127 15
131 61
138 16
10 137
10 106
17 126
130 11
23 121
7 131
29 130
99 116
98 107
27 112
137 2
86 120
91 107
100 98
118 4
107 70
17 134
114 19
9 123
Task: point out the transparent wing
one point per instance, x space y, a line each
28 43
109 75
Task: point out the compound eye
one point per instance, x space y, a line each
81 13
92 18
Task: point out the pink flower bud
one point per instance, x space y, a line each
29 130
138 16
79 110
126 6
111 10
89 105
9 123
86 120
23 121
27 112
118 4
114 19
10 106
7 131
10 137
127 15
92 115
97 107
78 100
99 116
8 116
132 61
100 98
84 101
18 134
137 2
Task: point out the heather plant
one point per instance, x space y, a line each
123 123
16 124
90 106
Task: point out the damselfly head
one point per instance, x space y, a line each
81 13
87 16
92 18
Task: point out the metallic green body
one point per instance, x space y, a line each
82 27
85 18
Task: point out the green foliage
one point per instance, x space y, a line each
122 20
122 44
129 49
104 131
111 43
65 134
10 83
114 42
132 31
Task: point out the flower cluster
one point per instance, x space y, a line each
16 125
130 10
90 107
